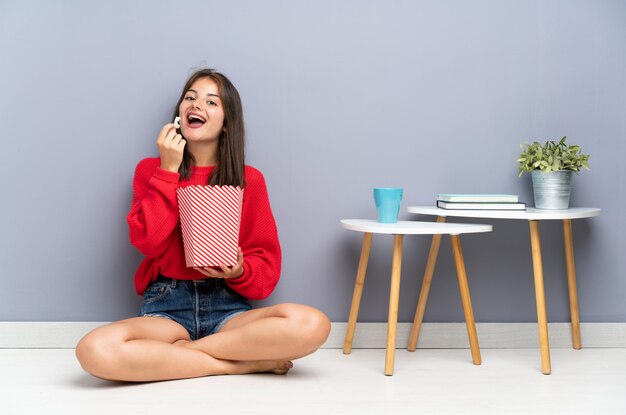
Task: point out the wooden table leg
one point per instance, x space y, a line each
465 298
358 290
542 321
426 282
394 295
571 282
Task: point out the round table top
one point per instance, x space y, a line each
528 214
412 227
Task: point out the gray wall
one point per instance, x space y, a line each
339 97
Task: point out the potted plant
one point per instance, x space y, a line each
551 166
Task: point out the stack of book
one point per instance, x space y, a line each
479 202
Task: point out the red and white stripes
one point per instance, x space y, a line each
210 218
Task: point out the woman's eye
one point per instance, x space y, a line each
189 98
211 102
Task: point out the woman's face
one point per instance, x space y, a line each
201 111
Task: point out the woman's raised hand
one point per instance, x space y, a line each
171 146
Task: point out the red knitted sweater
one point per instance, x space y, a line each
154 228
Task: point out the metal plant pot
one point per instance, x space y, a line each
552 190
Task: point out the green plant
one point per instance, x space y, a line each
551 156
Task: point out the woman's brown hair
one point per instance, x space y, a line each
230 148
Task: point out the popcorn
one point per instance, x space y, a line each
177 122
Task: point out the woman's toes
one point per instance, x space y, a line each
283 367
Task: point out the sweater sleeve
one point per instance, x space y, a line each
258 238
153 214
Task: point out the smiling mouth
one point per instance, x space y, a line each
195 121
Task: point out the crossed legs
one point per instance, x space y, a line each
154 348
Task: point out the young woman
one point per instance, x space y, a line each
197 321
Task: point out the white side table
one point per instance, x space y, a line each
532 215
370 227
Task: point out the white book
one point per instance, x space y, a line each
471 198
480 206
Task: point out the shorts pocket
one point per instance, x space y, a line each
233 295
156 291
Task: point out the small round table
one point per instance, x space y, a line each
399 229
532 215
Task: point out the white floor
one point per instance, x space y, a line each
429 381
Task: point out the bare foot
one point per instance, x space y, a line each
283 368
280 367
241 367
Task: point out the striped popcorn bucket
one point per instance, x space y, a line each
209 219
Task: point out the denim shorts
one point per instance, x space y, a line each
200 306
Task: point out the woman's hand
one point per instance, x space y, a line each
235 272
171 146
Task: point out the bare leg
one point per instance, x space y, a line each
280 332
149 348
